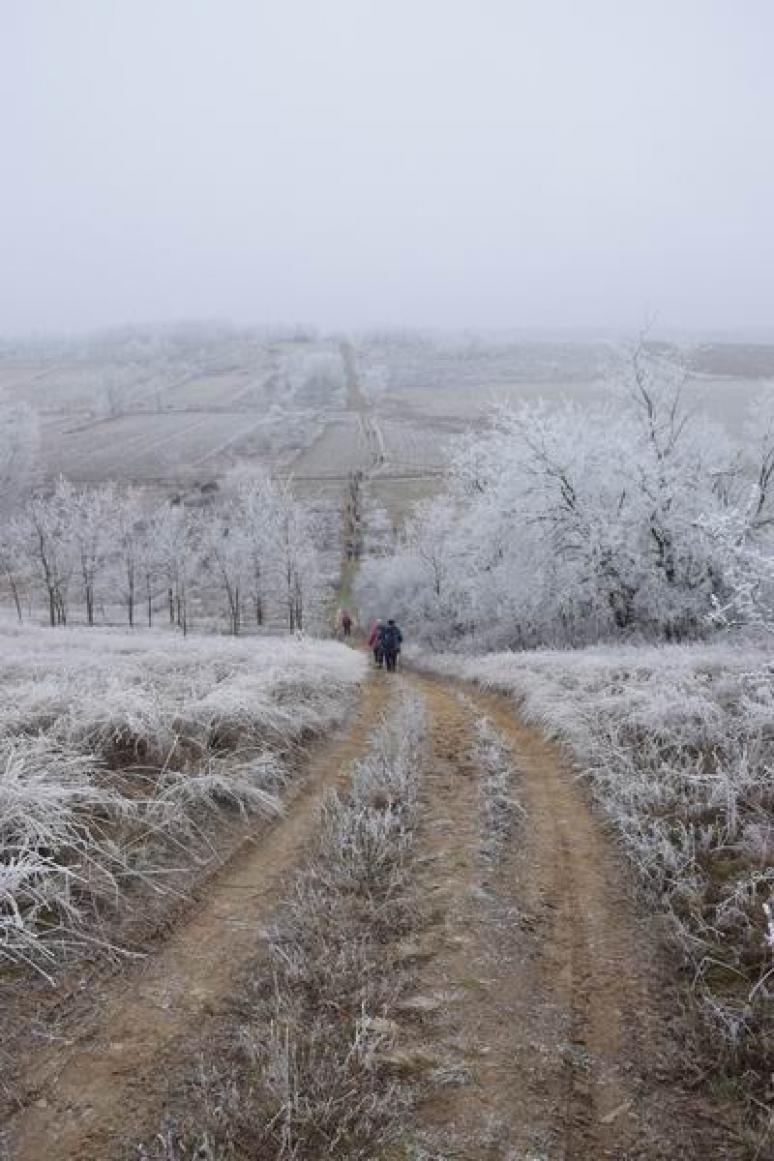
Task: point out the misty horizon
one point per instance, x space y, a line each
547 170
303 330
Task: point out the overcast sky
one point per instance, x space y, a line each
487 163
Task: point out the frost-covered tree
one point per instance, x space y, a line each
748 567
569 524
251 547
49 546
295 559
226 558
259 504
172 555
19 443
14 566
90 522
130 535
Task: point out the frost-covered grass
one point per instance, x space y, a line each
54 853
677 745
334 986
500 810
311 1074
113 744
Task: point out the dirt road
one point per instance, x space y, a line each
547 1002
541 1024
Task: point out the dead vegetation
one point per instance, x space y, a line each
431 983
500 810
113 759
675 744
311 1065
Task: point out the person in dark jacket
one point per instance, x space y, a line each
391 641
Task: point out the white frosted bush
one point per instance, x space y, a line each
52 858
145 733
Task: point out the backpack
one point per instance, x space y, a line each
391 638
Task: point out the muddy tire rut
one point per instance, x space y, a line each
547 1010
86 1097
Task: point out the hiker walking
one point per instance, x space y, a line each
346 623
375 642
391 641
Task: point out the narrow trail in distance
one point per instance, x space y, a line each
359 402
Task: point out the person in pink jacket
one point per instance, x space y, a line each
375 642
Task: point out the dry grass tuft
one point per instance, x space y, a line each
314 1070
116 747
500 811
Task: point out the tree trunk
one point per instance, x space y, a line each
15 595
130 597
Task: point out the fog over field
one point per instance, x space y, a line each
479 201
386 580
177 408
352 164
482 201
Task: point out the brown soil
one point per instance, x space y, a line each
104 1081
544 1023
545 1009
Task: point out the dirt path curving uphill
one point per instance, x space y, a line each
105 1083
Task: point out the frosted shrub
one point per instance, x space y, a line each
220 782
114 745
569 524
53 862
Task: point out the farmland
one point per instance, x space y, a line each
182 406
174 410
142 448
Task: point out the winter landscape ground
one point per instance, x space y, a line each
258 898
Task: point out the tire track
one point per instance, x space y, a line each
542 997
359 402
105 1084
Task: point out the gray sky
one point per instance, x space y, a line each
536 163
